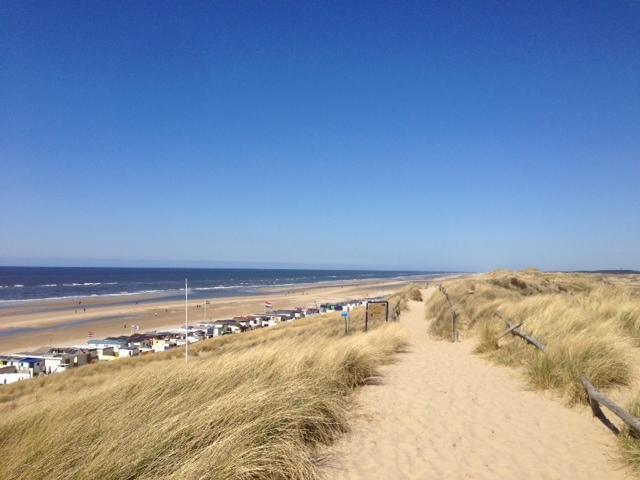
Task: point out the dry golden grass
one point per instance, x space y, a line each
398 301
249 406
629 444
488 333
415 293
589 324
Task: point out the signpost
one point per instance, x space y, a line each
376 311
345 315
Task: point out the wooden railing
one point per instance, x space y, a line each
514 330
595 398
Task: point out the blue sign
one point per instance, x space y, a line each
345 314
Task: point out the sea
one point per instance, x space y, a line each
20 284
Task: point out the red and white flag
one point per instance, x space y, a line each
268 305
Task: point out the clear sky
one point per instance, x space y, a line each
470 135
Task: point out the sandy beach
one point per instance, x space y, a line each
31 325
442 412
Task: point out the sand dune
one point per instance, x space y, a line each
442 412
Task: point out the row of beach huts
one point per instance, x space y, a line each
25 365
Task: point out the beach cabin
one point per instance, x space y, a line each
255 321
284 315
269 321
105 353
160 345
97 353
79 356
115 343
130 351
10 360
327 307
355 304
218 330
57 363
245 322
197 335
7 378
8 369
175 339
91 351
143 341
300 312
207 328
30 365
25 363
227 327
192 335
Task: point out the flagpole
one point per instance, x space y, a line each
186 323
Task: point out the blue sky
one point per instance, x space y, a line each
470 135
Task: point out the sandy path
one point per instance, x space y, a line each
444 413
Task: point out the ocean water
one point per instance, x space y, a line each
32 283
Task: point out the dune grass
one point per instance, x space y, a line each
589 324
399 300
488 333
414 293
249 406
629 444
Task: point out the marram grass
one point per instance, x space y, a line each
629 444
250 406
589 324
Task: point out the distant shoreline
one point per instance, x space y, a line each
28 284
31 325
150 296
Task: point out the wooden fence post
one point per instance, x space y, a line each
366 317
513 329
596 398
454 316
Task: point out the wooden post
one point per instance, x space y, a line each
453 327
366 317
509 330
454 331
514 331
596 398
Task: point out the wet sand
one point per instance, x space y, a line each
31 325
